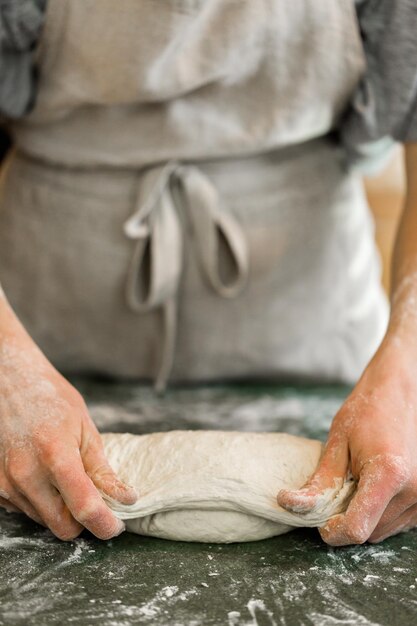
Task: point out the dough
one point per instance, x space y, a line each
216 486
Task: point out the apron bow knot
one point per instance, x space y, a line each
157 225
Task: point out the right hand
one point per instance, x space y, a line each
52 462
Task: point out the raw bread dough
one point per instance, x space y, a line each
216 486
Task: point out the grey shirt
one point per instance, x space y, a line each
20 25
384 104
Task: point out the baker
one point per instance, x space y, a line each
183 203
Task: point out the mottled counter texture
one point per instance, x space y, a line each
291 580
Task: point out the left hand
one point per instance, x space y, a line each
374 435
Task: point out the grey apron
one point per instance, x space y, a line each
175 206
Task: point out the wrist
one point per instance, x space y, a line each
16 345
12 331
401 333
397 354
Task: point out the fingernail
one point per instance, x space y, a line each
304 492
286 494
297 501
131 495
127 487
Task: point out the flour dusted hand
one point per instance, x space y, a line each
374 436
51 457
375 432
217 486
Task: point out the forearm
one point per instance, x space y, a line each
52 463
7 318
17 348
373 435
10 326
402 328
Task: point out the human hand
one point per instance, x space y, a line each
374 436
52 463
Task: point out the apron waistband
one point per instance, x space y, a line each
157 264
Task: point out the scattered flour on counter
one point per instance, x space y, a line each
371 579
233 618
345 614
268 411
258 611
164 600
295 588
81 546
143 412
384 556
170 591
153 607
335 606
375 552
9 543
258 608
351 619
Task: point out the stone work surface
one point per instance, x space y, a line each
292 580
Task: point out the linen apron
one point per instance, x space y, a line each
176 206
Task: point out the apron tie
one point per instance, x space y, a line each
156 267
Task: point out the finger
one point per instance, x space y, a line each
82 498
18 471
49 504
404 522
333 467
23 505
376 488
16 501
5 498
10 508
103 476
395 509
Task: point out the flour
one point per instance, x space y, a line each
371 579
233 618
273 411
350 618
166 596
404 299
80 547
256 607
383 556
257 610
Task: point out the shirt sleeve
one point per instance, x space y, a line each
20 25
384 106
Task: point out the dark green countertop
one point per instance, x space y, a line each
290 580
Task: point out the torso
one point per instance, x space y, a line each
194 79
241 96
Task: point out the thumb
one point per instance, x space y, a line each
333 466
104 478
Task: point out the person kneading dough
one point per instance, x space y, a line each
183 202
